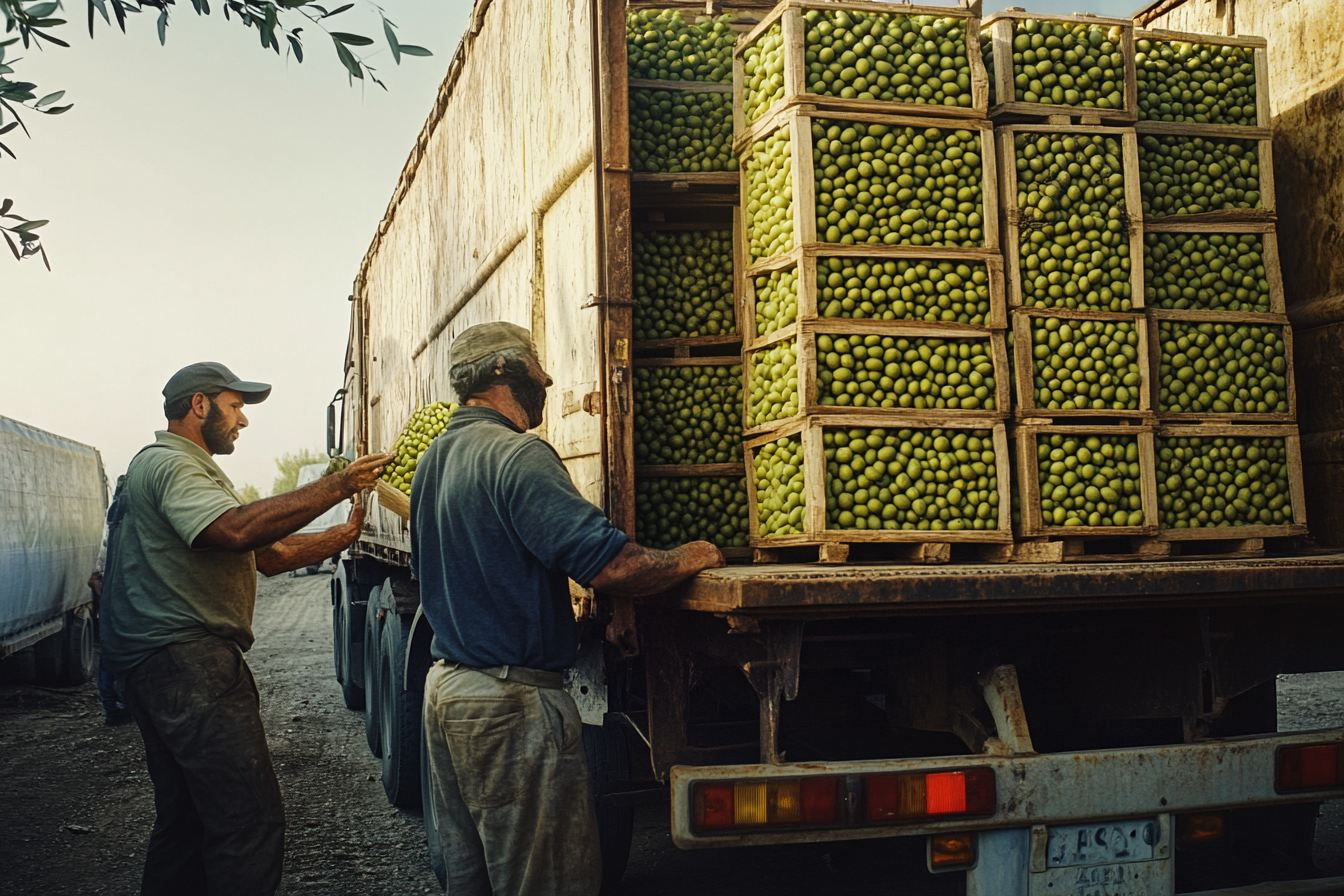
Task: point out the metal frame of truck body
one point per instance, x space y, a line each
575 246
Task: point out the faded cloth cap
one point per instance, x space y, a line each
484 340
212 377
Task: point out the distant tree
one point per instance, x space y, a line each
249 493
289 464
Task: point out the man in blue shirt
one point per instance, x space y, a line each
497 530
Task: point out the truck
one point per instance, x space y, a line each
1073 720
53 499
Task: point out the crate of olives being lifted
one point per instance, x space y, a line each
1222 366
884 182
1081 364
860 57
1080 66
886 370
1072 224
860 478
1202 84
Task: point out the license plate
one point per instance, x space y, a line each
1101 843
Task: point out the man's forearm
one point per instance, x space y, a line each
637 571
269 520
298 551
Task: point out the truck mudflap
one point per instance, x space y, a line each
748 805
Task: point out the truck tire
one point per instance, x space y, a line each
608 756
49 659
352 692
77 665
372 695
431 817
399 715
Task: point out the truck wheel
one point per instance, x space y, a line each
372 661
77 660
351 691
399 713
49 658
609 767
431 817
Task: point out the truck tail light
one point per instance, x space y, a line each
1206 827
1309 767
949 852
823 800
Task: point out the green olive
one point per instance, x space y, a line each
883 185
677 131
1195 82
780 498
892 57
898 289
683 284
1205 271
770 196
1089 480
871 371
774 383
1086 364
661 45
763 70
1230 481
688 415
1191 175
1224 368
940 479
425 425
673 511
776 301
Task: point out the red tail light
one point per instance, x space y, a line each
896 797
1310 767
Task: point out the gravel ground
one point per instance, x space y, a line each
77 804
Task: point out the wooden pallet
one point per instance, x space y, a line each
809 430
835 552
1000 25
1024 372
1016 227
1260 58
1156 316
798 119
1269 244
789 17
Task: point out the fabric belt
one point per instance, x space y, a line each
537 678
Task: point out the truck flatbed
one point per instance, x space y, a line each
859 589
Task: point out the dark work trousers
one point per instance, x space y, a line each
220 825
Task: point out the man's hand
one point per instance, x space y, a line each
637 571
363 473
298 551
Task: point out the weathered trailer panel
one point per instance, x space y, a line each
53 497
1306 81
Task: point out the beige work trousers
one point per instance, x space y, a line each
511 788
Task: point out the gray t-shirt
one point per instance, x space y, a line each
161 590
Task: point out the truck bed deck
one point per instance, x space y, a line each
880 589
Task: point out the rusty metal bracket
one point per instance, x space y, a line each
774 677
1005 703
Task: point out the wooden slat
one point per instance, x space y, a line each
651 471
392 498
685 342
616 253
1218 40
804 183
658 178
795 49
722 361
680 86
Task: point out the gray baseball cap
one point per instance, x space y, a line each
211 377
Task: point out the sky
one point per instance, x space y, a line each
210 201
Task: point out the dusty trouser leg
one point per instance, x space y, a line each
518 768
173 862
200 702
463 853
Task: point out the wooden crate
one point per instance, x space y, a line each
1029 484
696 471
640 86
804 191
1268 210
711 361
809 429
697 220
1016 227
1296 491
1157 316
1024 373
1260 58
1000 25
805 260
1269 243
788 16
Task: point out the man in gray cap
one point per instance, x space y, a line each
497 529
177 605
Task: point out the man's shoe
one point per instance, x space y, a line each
114 717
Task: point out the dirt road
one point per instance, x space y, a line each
76 805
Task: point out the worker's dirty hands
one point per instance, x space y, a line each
363 473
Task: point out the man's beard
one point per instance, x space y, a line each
531 397
215 432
